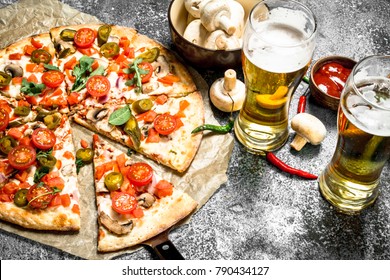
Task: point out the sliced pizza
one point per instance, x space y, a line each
28 71
157 126
134 202
38 180
125 62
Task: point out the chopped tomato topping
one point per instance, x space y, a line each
73 98
15 56
28 49
153 136
84 144
161 99
71 63
65 200
169 79
164 188
15 133
137 213
68 155
76 209
36 43
147 117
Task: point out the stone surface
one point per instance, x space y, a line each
261 213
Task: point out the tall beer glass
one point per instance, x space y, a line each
278 45
350 181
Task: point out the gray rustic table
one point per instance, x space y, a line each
261 213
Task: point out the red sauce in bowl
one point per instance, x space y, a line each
331 78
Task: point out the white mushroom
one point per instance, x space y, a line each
220 40
193 6
228 93
238 17
195 32
217 14
308 128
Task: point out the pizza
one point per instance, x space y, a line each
134 202
117 83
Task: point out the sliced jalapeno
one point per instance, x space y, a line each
53 120
40 56
22 111
7 143
20 198
67 34
85 155
110 49
132 129
103 34
150 55
5 79
113 181
48 161
142 106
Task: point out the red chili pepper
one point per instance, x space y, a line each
271 158
302 101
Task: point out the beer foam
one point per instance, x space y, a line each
280 44
368 118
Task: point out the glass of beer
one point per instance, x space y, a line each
351 180
278 45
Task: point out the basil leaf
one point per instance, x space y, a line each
120 116
50 67
31 88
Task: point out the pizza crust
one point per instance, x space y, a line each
54 218
161 216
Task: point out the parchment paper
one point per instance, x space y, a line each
205 175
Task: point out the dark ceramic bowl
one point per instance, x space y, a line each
321 97
196 55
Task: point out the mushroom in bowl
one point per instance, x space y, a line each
207 33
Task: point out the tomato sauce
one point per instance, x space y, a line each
331 78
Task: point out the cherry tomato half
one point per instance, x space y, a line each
98 86
43 138
84 38
39 196
53 78
140 174
124 203
22 157
4 119
164 124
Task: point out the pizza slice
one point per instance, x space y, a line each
134 202
38 181
159 127
28 71
125 62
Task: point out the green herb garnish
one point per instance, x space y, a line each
120 116
31 88
40 172
83 71
79 164
137 79
50 67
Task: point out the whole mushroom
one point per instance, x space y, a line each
228 93
308 128
195 32
220 40
193 7
217 14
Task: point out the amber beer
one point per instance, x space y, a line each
276 53
350 181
